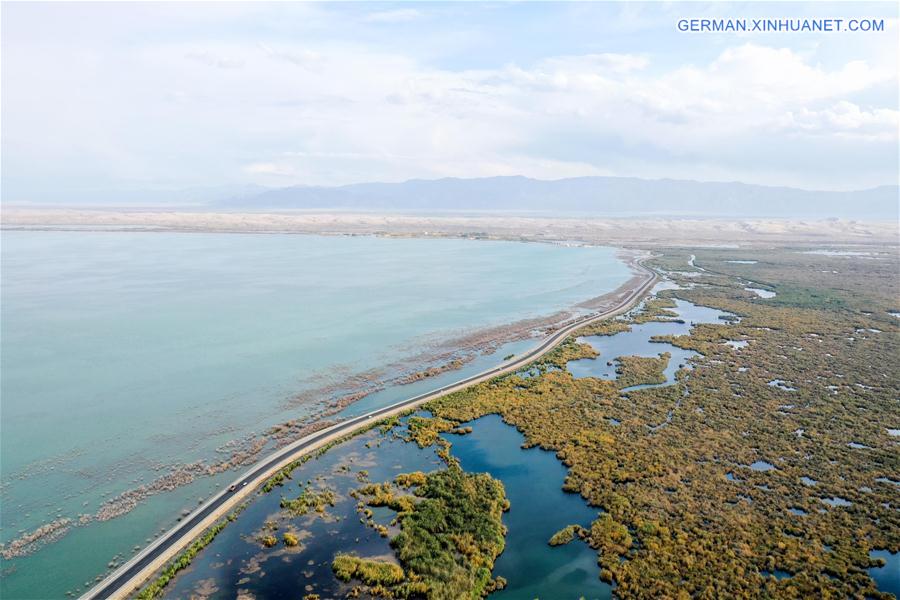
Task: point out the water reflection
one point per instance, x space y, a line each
887 578
539 508
637 342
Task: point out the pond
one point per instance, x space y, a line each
887 578
777 574
761 292
539 508
236 562
836 501
762 466
637 342
781 385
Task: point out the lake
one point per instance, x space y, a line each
128 354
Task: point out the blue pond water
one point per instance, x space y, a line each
637 343
836 501
777 574
763 466
236 562
887 578
533 480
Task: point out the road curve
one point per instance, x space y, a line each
134 572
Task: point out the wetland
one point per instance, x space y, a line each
653 479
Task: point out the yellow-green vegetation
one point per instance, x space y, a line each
450 535
290 539
385 494
268 541
674 524
674 259
370 572
183 560
569 349
656 309
605 327
566 535
408 480
639 370
309 499
424 431
284 473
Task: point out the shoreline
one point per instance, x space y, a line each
141 567
440 356
592 229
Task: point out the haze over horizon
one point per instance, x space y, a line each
105 101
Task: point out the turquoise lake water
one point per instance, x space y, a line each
124 353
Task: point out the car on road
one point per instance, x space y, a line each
232 487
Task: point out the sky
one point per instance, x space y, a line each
107 102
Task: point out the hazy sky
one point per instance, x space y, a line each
113 97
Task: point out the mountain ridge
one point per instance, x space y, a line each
596 195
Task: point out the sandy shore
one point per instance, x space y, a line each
588 229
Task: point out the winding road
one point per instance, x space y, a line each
134 572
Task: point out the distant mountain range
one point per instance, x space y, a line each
610 196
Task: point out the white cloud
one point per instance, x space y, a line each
331 111
210 60
400 15
847 119
280 170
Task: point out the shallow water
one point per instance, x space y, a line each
762 466
126 352
533 480
781 385
777 574
637 343
761 292
236 561
887 578
836 501
538 508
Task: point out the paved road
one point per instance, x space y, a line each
132 573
